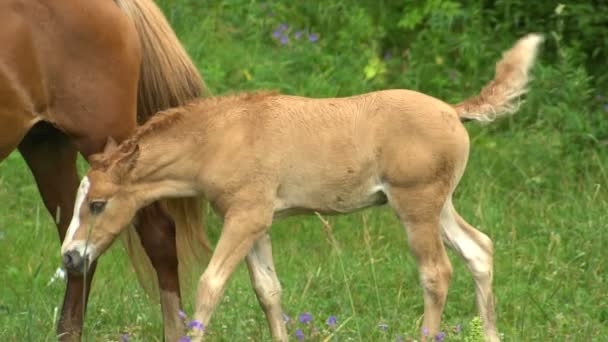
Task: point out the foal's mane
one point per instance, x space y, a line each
166 119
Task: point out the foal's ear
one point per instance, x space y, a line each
129 155
96 160
111 145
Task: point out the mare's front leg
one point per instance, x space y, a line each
243 225
157 233
52 159
267 286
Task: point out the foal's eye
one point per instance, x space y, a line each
97 207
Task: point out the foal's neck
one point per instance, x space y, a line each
164 168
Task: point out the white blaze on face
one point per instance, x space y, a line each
83 189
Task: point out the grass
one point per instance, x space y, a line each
534 184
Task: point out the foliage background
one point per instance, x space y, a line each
536 182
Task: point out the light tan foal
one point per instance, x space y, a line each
259 157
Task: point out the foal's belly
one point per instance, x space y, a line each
327 198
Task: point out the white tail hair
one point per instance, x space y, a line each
499 97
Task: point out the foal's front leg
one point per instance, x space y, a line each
241 229
266 285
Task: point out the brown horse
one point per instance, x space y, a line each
265 156
73 73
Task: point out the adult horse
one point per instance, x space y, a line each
72 74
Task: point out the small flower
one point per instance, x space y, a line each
457 329
332 320
387 55
305 318
383 326
453 75
297 35
299 334
194 324
59 275
286 318
439 337
276 34
124 338
182 315
283 27
425 331
184 339
313 37
284 40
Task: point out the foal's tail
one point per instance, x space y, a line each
498 98
168 79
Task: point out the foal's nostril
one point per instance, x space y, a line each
73 261
67 259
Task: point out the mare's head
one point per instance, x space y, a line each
105 205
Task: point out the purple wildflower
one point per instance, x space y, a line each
276 34
299 334
383 326
305 318
182 315
124 338
297 35
194 324
425 331
453 75
439 337
313 37
286 318
283 27
332 320
284 40
184 339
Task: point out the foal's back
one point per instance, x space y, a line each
330 155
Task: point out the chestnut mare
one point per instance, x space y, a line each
259 157
72 74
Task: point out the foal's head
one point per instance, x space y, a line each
104 206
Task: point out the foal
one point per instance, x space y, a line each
262 156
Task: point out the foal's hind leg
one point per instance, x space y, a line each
475 248
52 159
267 286
419 211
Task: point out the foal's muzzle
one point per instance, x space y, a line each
74 261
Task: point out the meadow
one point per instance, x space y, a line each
536 182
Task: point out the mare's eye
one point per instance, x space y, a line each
96 207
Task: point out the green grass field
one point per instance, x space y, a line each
536 183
